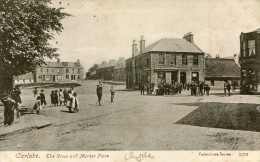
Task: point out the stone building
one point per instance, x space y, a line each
249 59
54 72
59 71
113 70
166 60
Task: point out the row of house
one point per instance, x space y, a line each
54 72
114 70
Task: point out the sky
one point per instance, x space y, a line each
100 30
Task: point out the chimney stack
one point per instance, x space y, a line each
142 45
58 60
189 37
134 49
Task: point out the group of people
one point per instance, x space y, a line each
58 98
197 88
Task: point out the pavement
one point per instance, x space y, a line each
24 123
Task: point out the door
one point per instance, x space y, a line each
183 77
174 76
53 78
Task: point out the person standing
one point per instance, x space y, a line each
142 88
35 92
16 96
225 88
37 105
65 96
75 102
228 88
61 97
9 106
52 98
69 100
207 89
43 100
99 93
112 91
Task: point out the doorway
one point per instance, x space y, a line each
174 76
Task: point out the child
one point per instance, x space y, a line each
52 98
37 106
9 106
69 100
112 91
75 102
42 95
56 98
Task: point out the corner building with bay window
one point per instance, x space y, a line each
167 60
249 60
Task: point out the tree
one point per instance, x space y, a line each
91 70
26 27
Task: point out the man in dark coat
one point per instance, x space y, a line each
9 106
99 92
43 100
228 88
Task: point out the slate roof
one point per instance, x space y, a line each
257 30
222 68
62 64
71 64
52 64
173 45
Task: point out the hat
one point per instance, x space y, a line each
42 90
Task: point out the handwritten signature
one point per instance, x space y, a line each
138 157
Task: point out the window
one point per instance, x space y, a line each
172 59
58 70
41 69
78 70
184 59
161 59
195 59
79 77
244 49
67 77
73 70
147 60
52 70
47 70
251 47
67 70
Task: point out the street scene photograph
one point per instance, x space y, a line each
142 75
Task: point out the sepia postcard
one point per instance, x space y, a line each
130 80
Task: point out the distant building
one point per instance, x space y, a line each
166 60
113 70
219 70
249 60
24 79
54 72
